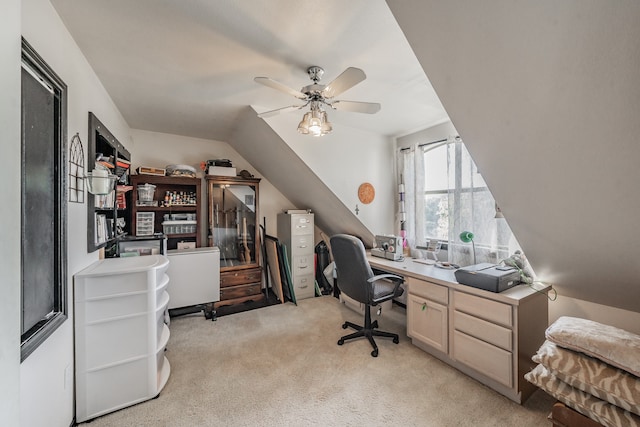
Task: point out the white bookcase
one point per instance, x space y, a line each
121 335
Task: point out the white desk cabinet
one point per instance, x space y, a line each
427 313
121 335
488 336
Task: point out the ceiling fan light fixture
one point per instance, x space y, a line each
315 123
316 95
303 126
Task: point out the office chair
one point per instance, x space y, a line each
356 279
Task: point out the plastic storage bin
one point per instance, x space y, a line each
144 223
179 227
146 192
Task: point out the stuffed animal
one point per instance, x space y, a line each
519 261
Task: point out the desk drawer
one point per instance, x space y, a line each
428 290
239 277
485 331
485 358
487 309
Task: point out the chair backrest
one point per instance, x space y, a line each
352 267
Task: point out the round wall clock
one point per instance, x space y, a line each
366 193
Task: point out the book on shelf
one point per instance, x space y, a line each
122 166
105 201
101 228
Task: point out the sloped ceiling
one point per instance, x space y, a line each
289 174
186 67
546 96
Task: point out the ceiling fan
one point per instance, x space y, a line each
316 96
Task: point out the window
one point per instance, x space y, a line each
446 195
43 201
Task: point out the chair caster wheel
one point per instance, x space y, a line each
345 326
396 340
374 353
340 342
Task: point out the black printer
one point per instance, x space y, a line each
487 276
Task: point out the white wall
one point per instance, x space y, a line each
10 213
547 105
435 133
623 319
345 159
161 149
46 387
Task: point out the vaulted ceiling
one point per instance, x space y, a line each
187 67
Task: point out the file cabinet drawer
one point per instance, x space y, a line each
301 224
302 244
304 287
302 265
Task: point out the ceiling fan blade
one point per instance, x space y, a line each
279 86
356 107
277 111
348 79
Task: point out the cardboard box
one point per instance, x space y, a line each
222 171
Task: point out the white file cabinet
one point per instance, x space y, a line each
121 334
295 231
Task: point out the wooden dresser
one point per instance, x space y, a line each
233 228
238 286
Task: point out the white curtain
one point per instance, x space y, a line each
471 207
412 169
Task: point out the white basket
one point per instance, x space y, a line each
146 192
179 227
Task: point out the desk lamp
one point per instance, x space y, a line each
467 236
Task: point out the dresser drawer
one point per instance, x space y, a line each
428 290
240 277
483 330
485 358
487 309
239 291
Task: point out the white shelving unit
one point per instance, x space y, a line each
121 334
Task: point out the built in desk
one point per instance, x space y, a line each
488 336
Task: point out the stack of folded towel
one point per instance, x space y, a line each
592 368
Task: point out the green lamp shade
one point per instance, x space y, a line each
466 236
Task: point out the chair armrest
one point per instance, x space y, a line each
391 277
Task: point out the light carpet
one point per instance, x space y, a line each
281 366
